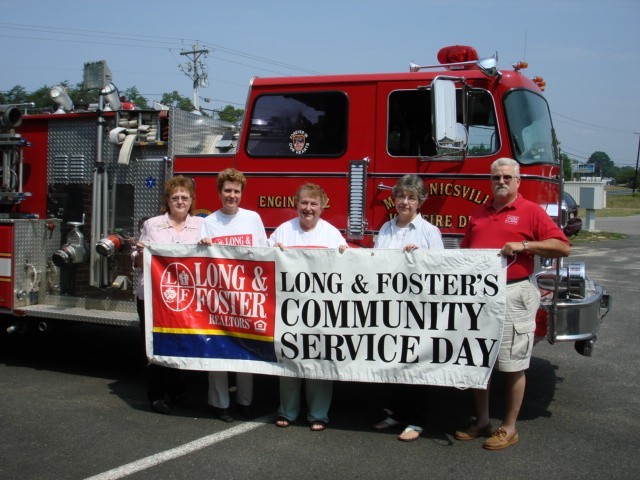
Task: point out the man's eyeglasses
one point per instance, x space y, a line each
506 178
179 198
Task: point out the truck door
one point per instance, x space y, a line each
403 137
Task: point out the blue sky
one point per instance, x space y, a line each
588 52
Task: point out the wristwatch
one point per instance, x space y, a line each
525 244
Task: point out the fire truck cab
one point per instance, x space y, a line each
355 135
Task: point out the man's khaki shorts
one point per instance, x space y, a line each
523 300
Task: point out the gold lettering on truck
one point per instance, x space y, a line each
462 191
445 189
277 201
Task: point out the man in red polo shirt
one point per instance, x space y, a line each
521 229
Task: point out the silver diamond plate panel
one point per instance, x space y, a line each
192 134
149 177
37 281
72 149
112 315
33 247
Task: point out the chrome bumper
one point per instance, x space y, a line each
580 319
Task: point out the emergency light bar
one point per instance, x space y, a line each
461 57
458 54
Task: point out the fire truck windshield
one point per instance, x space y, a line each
530 127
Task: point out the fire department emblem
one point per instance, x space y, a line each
298 142
177 286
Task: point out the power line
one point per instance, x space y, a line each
593 126
262 59
563 147
573 155
144 41
93 33
82 41
136 40
578 154
252 66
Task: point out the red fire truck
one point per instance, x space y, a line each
77 201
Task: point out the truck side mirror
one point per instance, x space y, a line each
447 132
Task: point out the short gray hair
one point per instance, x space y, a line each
413 184
507 162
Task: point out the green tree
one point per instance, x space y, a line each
567 170
78 95
177 100
603 165
42 97
132 94
16 94
230 114
626 176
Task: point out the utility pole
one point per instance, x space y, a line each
196 71
635 178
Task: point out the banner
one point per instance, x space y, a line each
422 317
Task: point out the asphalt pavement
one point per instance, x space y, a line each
628 225
72 406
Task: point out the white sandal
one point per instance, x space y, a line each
411 433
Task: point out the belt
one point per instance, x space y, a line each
517 280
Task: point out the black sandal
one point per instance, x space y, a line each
317 426
282 422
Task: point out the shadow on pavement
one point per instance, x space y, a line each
113 353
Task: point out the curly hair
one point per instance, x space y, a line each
175 183
231 175
315 191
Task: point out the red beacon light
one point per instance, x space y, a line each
458 54
461 57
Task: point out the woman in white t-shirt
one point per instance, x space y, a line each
307 230
407 231
232 225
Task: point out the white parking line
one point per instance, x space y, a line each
185 449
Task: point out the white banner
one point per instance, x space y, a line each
424 317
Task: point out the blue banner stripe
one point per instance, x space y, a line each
212 346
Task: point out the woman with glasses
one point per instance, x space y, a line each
176 225
408 231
